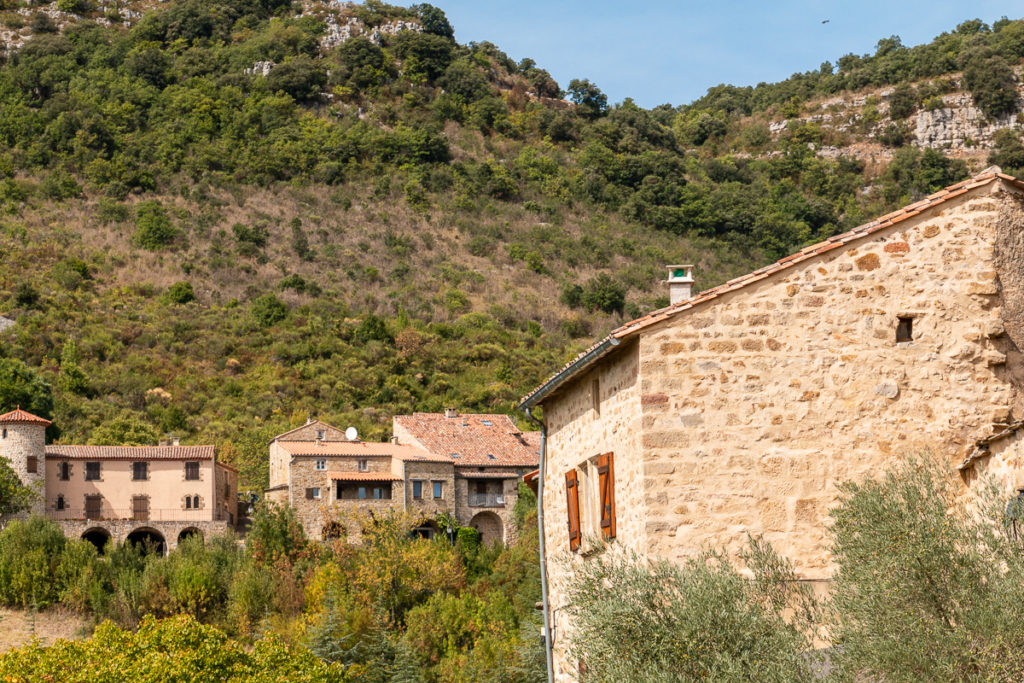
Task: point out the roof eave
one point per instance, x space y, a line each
598 352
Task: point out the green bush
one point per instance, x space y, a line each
153 227
926 587
268 310
698 620
180 293
30 553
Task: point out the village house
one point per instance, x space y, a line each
465 465
739 409
159 494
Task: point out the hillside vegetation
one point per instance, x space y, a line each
219 218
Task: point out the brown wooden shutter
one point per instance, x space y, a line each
573 507
309 494
606 483
32 466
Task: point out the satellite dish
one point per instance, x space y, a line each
351 434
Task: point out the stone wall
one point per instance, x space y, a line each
24 441
119 530
428 473
466 513
756 407
576 433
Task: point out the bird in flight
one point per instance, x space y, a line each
826 21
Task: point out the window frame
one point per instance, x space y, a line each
135 470
94 476
64 471
438 491
321 465
364 465
194 465
417 489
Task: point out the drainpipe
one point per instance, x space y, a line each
540 536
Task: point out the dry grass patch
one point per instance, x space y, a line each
17 627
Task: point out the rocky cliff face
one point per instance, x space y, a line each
960 125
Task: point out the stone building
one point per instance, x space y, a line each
466 465
739 410
489 456
155 493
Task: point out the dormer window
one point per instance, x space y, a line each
904 329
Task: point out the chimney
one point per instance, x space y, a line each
680 283
394 439
451 412
175 441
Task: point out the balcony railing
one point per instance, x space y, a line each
486 500
155 515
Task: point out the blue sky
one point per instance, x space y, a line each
660 51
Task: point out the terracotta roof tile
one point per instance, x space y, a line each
363 476
22 417
132 452
475 439
360 448
888 220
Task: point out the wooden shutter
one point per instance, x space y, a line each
573 507
140 508
32 466
309 494
606 484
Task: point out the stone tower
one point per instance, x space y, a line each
23 445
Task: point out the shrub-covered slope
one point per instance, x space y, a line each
217 218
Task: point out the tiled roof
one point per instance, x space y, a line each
20 416
986 177
472 439
360 448
363 476
132 452
486 475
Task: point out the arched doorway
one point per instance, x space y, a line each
490 527
427 529
98 536
148 539
190 532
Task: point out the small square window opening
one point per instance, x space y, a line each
904 329
321 464
363 465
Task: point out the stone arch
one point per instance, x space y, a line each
149 539
189 532
332 530
98 536
428 529
490 527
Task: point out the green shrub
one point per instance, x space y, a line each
30 553
268 310
153 228
926 587
698 620
180 293
604 294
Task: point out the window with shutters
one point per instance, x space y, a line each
92 471
313 493
61 502
573 509
363 465
606 494
595 491
417 489
32 464
93 506
64 471
140 508
191 471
